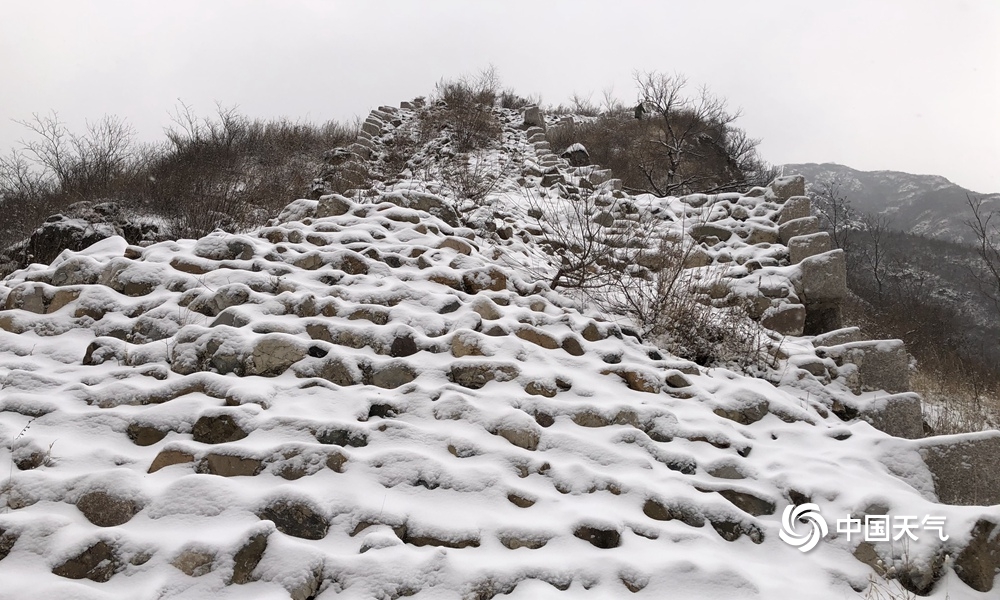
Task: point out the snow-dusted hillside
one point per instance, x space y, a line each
370 399
922 204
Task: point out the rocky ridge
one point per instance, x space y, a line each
372 397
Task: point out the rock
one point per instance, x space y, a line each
601 537
675 379
577 155
97 563
457 244
107 510
964 467
426 202
297 519
481 280
549 180
467 343
786 187
751 407
823 278
194 563
333 205
881 365
274 354
8 538
797 227
702 232
247 558
795 207
224 247
786 319
838 337
978 563
749 503
476 375
534 117
217 429
298 210
393 375
639 381
803 246
571 344
522 435
167 458
899 415
540 388
229 465
759 234
604 219
537 337
144 435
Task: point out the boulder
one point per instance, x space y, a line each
964 467
786 187
480 280
795 207
577 155
979 562
786 319
107 510
297 519
880 365
247 558
796 227
273 355
534 117
803 246
702 232
333 205
194 563
217 429
823 278
99 563
426 202
899 415
476 375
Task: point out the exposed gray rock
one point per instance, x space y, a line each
964 467
702 232
979 562
247 558
97 563
803 246
797 227
786 319
795 207
881 365
428 203
899 415
823 278
107 510
534 117
784 188
333 205
297 519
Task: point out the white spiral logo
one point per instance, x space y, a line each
817 526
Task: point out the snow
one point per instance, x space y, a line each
455 492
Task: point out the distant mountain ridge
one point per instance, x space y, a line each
929 205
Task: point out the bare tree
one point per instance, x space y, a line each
695 145
834 208
985 226
874 253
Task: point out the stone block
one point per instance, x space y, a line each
823 278
787 319
797 227
802 247
899 415
964 467
784 188
795 207
534 117
881 365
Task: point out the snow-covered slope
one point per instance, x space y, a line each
364 400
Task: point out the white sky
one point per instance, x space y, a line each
909 85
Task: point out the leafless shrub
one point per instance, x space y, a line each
464 109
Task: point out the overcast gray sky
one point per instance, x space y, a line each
909 85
